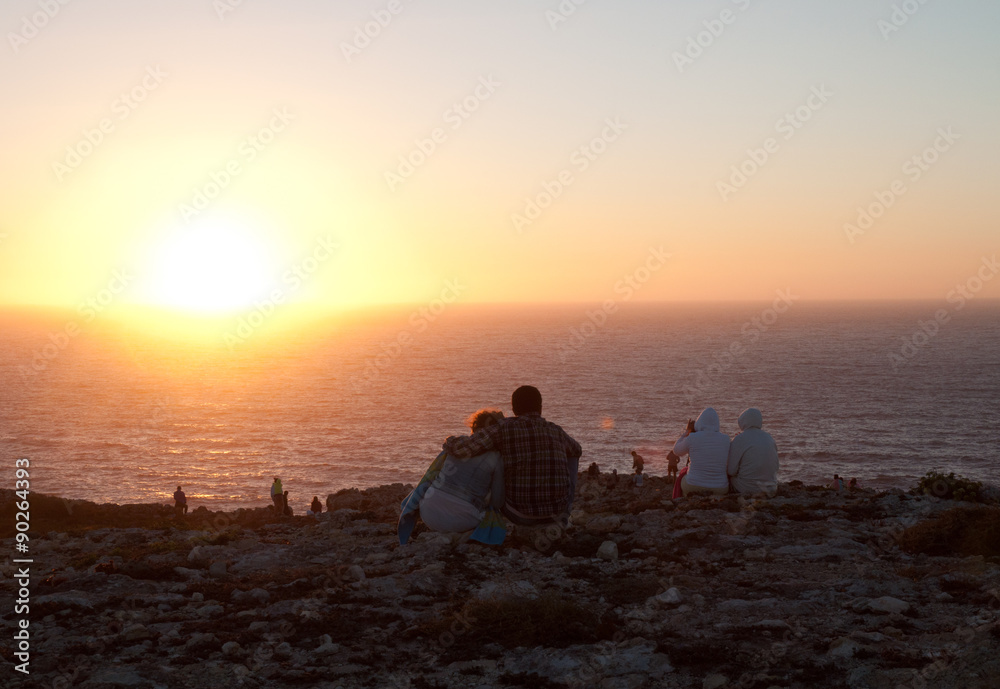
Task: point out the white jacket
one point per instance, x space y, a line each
709 451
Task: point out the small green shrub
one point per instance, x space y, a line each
949 487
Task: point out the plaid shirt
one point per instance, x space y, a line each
534 451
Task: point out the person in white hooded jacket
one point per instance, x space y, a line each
753 457
709 452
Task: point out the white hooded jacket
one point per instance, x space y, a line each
709 450
753 457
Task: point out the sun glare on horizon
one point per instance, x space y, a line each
209 268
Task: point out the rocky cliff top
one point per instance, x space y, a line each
810 588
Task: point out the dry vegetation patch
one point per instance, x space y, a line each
962 531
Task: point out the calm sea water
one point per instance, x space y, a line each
122 414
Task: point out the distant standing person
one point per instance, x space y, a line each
286 510
637 480
672 461
180 502
278 497
637 462
753 457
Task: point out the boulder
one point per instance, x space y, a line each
714 681
349 498
888 605
211 611
605 523
608 551
354 573
136 632
843 648
326 646
669 597
257 596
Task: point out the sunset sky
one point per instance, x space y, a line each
613 120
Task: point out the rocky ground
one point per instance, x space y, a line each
808 589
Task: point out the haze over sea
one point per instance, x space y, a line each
121 415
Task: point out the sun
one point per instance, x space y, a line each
210 268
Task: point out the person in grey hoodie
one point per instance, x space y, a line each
753 457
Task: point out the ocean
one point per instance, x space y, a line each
117 412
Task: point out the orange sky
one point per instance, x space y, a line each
273 150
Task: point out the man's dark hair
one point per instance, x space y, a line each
526 399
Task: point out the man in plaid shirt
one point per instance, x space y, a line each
540 460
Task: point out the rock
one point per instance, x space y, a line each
211 611
116 676
68 599
608 551
604 523
669 597
136 632
816 576
326 646
870 637
714 682
843 648
256 596
888 605
659 665
199 640
200 556
385 587
859 678
486 590
525 589
349 498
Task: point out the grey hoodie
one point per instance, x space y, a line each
753 457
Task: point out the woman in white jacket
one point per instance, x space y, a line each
709 452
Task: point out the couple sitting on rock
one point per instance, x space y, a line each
747 464
523 468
